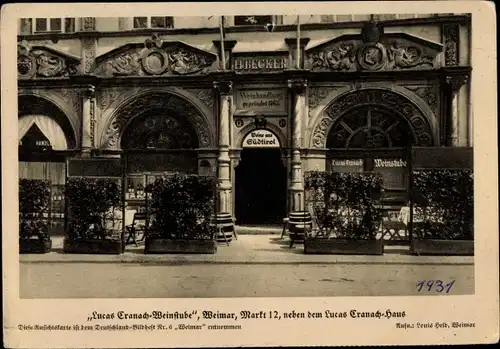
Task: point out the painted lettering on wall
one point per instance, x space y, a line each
253 63
261 101
390 163
261 139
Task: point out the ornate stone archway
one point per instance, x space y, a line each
168 103
421 126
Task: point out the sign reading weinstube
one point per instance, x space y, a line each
261 139
390 163
261 101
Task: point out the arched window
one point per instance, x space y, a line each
370 127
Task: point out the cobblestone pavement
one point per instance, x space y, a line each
128 280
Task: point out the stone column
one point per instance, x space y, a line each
224 161
454 84
296 189
88 119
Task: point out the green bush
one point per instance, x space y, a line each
445 200
345 205
181 207
34 201
91 204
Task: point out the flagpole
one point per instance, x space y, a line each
222 49
298 42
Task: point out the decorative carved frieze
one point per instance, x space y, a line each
350 53
429 93
155 58
392 101
204 95
318 94
40 61
450 33
166 102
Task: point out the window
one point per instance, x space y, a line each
153 22
257 20
45 25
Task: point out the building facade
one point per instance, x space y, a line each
154 91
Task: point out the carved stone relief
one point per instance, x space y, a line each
390 53
156 58
43 62
166 102
450 32
393 101
318 94
88 23
88 54
204 95
429 93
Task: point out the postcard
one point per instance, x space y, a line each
249 174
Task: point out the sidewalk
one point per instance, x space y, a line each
248 249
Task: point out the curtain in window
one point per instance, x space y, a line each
49 127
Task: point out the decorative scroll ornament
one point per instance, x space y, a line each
156 57
169 104
318 94
373 51
350 102
43 62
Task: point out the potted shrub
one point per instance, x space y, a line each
181 207
94 217
345 207
34 220
444 212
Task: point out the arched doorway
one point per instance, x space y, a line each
260 182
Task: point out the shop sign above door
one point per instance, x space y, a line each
261 101
261 139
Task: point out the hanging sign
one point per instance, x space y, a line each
390 163
261 139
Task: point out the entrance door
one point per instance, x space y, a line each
260 187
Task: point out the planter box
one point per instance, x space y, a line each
96 246
34 246
442 247
340 246
159 245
